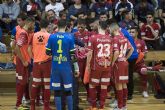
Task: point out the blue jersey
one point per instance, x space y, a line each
60 44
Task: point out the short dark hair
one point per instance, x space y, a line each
134 27
62 23
23 16
150 13
103 13
61 13
52 11
44 23
103 24
81 21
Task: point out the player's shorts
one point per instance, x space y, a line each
99 77
41 73
120 72
140 67
61 78
22 72
82 65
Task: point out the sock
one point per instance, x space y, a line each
46 98
103 95
92 96
69 102
144 82
125 94
120 98
58 103
27 96
33 95
20 91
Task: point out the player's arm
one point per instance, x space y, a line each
79 42
48 47
115 56
74 60
130 51
89 57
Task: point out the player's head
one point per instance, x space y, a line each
29 24
102 25
62 24
44 23
113 28
21 19
150 17
103 16
134 31
81 24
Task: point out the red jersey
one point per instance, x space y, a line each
102 51
146 31
141 46
84 36
22 42
121 44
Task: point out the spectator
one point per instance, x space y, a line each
57 7
127 22
52 21
162 31
0 33
161 7
8 14
102 6
76 8
121 6
146 7
32 8
150 32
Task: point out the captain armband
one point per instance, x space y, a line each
73 56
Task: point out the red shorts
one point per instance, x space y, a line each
82 65
120 72
139 66
99 77
22 72
41 73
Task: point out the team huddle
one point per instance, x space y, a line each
62 56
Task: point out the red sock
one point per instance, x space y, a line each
120 98
103 95
27 96
125 94
46 98
34 92
92 96
20 92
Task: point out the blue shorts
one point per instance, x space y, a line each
61 79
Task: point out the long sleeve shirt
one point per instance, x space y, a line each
9 10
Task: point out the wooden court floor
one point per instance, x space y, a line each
7 102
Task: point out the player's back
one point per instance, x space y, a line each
62 43
102 50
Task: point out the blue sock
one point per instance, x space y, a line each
58 103
69 102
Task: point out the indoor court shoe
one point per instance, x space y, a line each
117 108
124 108
21 107
113 104
145 94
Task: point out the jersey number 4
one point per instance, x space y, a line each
104 50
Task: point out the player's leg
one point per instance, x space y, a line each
143 77
125 94
36 82
93 84
56 85
46 74
104 81
21 82
67 82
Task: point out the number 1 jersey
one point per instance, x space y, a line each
60 44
